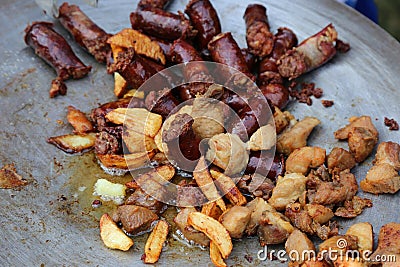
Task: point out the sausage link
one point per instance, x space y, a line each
205 20
285 39
258 36
85 32
161 23
277 94
55 50
260 165
153 3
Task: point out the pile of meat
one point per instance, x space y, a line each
234 183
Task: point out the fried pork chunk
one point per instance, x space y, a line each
296 137
302 159
340 158
383 177
343 187
388 241
362 136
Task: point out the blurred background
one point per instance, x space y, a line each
389 16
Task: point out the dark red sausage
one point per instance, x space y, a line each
224 49
85 32
277 94
55 50
253 116
285 39
258 36
195 72
259 164
161 102
250 59
161 23
135 69
205 20
153 3
268 72
165 45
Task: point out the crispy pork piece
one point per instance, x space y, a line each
263 139
298 241
354 207
79 121
107 144
343 187
141 198
208 117
134 219
189 232
57 87
288 189
228 152
9 178
309 54
319 213
296 137
257 207
361 122
363 231
339 243
235 220
274 228
388 240
341 159
361 143
282 119
388 152
383 177
304 158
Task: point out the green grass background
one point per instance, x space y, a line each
389 16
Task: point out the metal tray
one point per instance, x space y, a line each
50 221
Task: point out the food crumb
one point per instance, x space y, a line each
327 103
307 90
342 47
96 203
9 178
392 124
248 258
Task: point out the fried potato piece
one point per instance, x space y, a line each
216 256
73 143
287 190
382 178
141 43
304 158
137 142
9 178
296 137
136 119
204 180
79 121
263 139
362 122
226 185
213 230
110 191
211 209
134 93
112 236
363 231
127 161
154 243
120 85
281 121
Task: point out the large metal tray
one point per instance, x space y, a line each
50 221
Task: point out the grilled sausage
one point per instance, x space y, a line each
85 32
